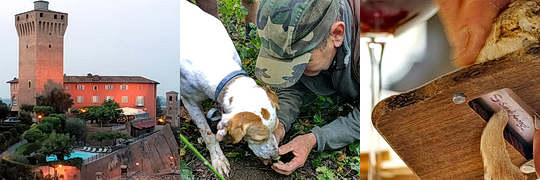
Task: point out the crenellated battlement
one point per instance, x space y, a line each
40 21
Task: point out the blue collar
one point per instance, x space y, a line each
226 79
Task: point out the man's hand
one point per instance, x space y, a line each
468 24
279 133
301 147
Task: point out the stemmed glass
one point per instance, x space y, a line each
380 21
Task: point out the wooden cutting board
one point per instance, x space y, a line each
439 139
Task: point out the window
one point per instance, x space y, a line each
55 17
40 14
95 87
109 87
27 16
80 99
124 99
62 17
67 87
80 87
140 101
49 44
123 87
29 84
17 18
170 98
109 98
14 100
95 99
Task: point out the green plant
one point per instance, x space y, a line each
25 117
75 128
45 127
108 135
325 173
33 134
43 110
190 146
27 107
54 121
185 173
4 110
57 144
31 147
57 98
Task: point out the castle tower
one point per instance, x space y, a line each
172 109
41 51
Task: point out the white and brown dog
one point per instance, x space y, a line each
211 68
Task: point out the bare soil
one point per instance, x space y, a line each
244 164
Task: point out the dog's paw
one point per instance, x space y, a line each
219 161
221 164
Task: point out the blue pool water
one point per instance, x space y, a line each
83 155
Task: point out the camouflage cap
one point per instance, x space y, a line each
289 30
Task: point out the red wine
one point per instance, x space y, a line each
392 16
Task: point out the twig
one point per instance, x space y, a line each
190 146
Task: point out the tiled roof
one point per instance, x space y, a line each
14 80
102 79
108 79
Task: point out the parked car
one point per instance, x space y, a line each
11 120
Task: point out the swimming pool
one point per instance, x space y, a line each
75 154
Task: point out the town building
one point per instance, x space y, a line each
41 68
172 113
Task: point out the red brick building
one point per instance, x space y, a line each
41 39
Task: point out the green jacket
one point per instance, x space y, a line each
340 79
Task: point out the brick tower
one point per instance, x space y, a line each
41 51
172 109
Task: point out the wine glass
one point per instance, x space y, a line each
380 21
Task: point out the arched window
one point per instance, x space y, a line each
29 84
14 100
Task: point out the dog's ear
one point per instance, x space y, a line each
272 96
258 133
245 123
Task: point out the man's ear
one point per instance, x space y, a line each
337 33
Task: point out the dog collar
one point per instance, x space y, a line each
226 79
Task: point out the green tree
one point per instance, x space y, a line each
45 127
62 118
109 135
159 110
27 107
32 147
56 98
75 127
4 110
85 113
119 135
43 110
57 144
108 111
54 121
33 134
99 136
25 117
